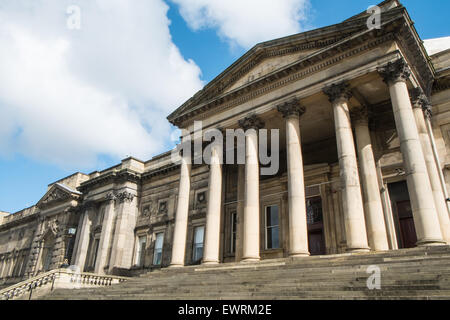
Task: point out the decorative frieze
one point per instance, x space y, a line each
395 71
338 91
251 122
291 108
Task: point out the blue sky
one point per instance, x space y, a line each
198 52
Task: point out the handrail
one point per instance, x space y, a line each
76 278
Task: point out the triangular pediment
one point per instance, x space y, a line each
276 56
58 193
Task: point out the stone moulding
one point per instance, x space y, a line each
110 177
393 29
276 81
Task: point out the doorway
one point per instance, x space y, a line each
403 217
316 239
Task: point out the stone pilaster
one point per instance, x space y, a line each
105 237
123 242
426 220
82 239
251 243
355 226
298 228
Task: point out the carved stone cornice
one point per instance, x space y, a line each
338 91
251 122
291 108
395 71
360 115
114 176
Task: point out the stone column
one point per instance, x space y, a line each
251 243
214 207
240 212
420 105
181 219
105 237
355 225
298 228
373 208
426 220
82 239
387 209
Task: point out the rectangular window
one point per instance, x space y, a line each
157 253
197 252
233 225
140 253
272 228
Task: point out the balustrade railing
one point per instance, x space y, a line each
55 279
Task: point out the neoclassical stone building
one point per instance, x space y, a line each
364 122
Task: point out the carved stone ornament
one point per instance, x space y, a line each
55 196
395 71
124 196
110 196
420 100
251 122
360 115
291 108
338 91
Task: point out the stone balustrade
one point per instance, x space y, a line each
57 279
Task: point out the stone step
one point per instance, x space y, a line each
422 273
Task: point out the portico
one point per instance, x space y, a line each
359 217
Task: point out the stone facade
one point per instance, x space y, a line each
364 120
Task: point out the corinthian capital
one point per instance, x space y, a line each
395 71
420 100
360 115
338 91
124 196
291 108
251 122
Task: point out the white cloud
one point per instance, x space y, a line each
245 22
68 96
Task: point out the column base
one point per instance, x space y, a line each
299 254
358 250
431 242
211 262
254 259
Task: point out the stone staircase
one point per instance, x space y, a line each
419 273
